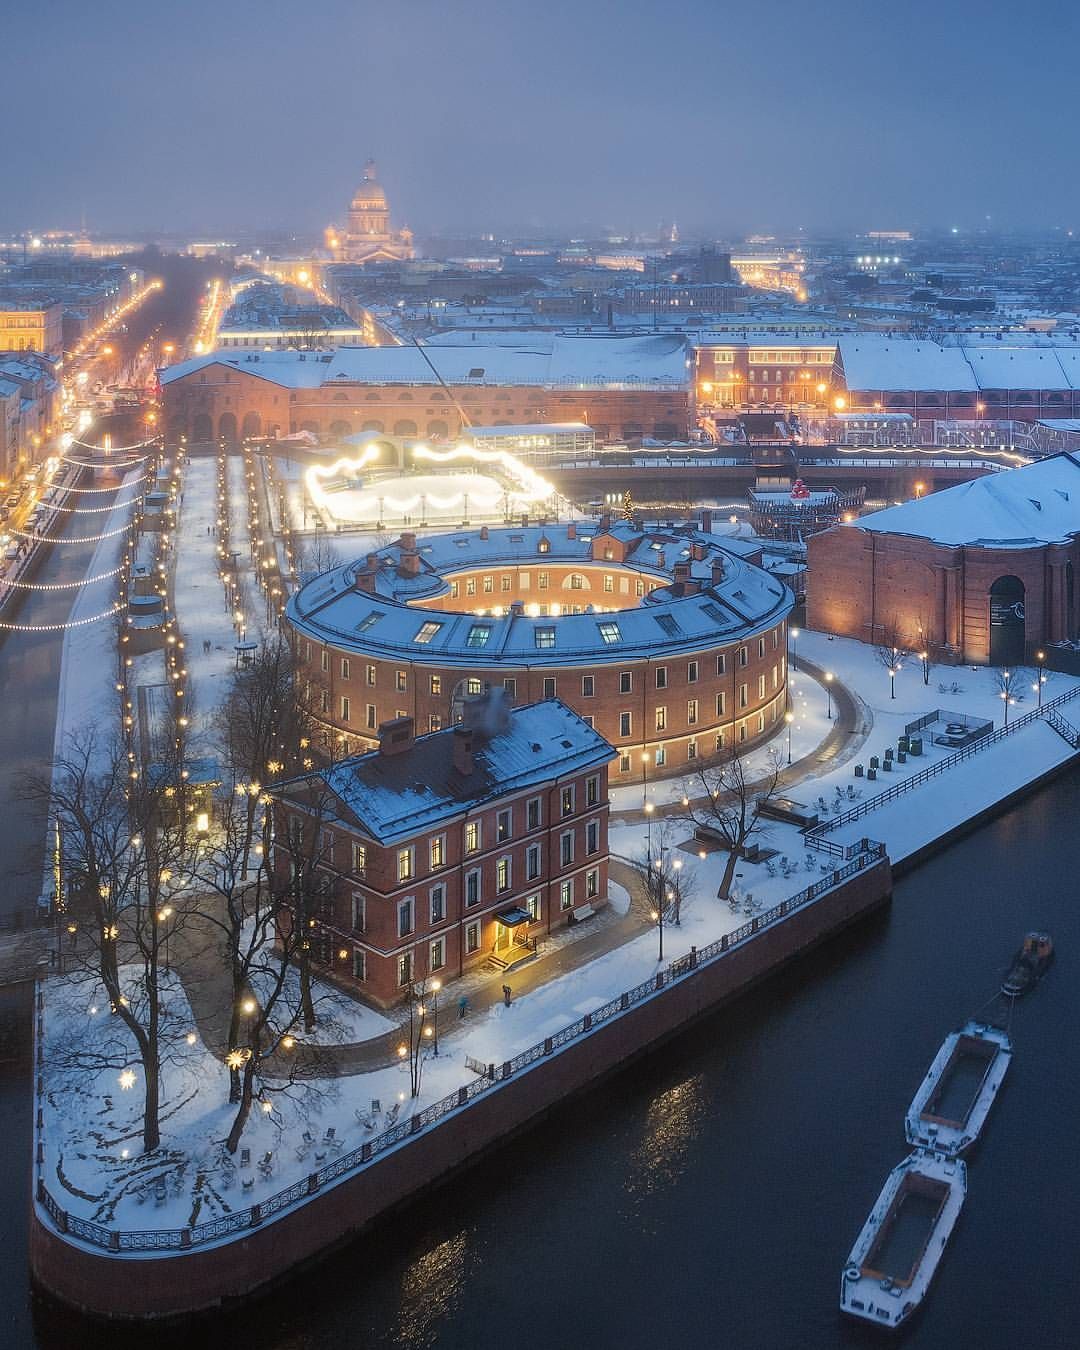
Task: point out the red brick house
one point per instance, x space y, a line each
434 854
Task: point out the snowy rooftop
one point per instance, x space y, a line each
395 796
1036 504
744 600
874 361
544 360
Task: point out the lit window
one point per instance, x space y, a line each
438 852
359 860
545 638
610 632
478 635
404 864
472 836
426 632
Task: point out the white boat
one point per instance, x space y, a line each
897 1252
951 1106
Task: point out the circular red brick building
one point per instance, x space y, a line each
671 643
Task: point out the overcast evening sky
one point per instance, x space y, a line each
215 115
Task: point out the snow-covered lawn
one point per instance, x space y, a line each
341 1019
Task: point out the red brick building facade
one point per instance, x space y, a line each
438 854
391 390
983 572
671 646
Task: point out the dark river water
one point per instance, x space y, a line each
709 1196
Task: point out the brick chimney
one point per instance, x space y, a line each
365 577
463 751
571 530
483 531
409 556
681 573
706 521
397 736
717 571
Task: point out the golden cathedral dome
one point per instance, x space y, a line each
369 195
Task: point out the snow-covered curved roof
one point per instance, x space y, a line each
400 615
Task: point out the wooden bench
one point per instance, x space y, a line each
579 915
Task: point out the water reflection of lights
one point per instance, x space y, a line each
671 1124
429 1289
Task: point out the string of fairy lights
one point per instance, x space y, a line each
60 466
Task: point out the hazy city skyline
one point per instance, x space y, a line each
261 115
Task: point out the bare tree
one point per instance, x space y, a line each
1010 685
314 554
265 725
892 651
926 653
724 803
240 902
666 882
118 851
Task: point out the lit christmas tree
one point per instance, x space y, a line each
628 506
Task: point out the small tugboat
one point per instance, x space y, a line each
897 1252
951 1106
1029 965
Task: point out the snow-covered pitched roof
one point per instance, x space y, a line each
1014 508
874 361
1017 367
552 361
396 797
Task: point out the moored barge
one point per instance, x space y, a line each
897 1252
951 1106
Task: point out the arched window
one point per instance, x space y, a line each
340 428
404 428
227 427
252 424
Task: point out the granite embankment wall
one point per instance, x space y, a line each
205 1272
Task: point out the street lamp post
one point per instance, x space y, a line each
436 985
828 692
795 649
1040 659
789 717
